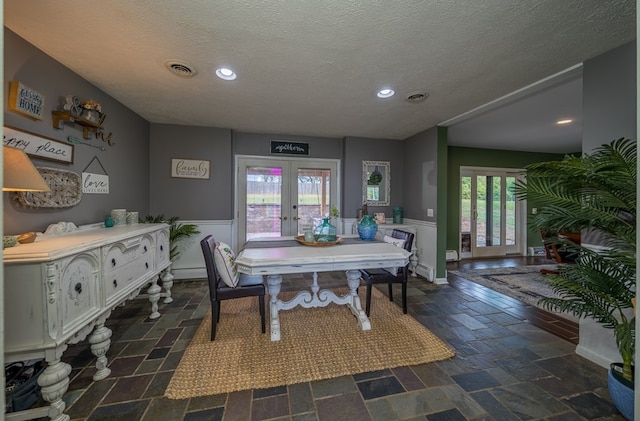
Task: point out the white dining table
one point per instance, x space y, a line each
274 257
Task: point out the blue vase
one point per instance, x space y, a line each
108 221
367 228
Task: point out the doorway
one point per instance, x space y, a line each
492 221
283 197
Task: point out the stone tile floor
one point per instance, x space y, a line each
505 369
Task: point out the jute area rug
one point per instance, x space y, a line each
524 283
318 343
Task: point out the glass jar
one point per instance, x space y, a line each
367 228
325 232
397 215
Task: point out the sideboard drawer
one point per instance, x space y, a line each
162 247
126 263
120 254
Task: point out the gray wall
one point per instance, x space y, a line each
358 149
609 102
420 167
609 98
191 199
126 163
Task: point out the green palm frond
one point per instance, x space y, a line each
177 231
592 193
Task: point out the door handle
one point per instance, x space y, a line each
284 218
295 218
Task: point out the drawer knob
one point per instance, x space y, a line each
78 288
115 283
113 262
161 247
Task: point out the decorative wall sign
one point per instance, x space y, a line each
38 146
189 168
95 183
25 100
279 147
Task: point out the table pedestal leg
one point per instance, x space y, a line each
273 286
353 280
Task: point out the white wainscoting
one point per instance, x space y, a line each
426 239
190 263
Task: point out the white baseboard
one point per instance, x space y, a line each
189 273
587 353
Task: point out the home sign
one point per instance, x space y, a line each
25 100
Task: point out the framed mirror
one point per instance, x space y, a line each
376 183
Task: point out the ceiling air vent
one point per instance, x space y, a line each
416 97
180 68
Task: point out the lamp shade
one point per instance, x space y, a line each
19 172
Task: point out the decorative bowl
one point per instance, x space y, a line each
300 239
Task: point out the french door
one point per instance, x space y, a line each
492 221
283 197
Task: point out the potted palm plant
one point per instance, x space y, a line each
594 194
177 231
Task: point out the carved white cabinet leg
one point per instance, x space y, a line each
273 286
167 284
353 280
100 340
54 382
154 296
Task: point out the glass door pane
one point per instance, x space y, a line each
264 202
510 211
314 197
466 216
494 211
480 207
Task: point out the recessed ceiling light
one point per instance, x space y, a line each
225 73
566 121
385 93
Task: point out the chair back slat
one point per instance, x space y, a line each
406 236
208 244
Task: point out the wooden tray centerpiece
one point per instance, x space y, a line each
300 239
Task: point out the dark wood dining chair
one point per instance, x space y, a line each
556 250
383 276
248 286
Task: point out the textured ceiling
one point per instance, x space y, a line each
312 68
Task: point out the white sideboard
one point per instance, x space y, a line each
61 288
387 229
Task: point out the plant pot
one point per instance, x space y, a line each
621 391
